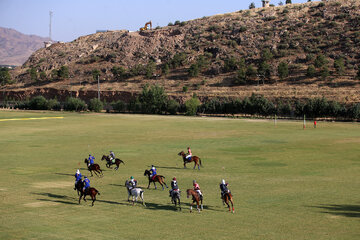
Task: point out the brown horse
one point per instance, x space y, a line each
79 186
195 198
90 191
93 168
109 162
156 178
194 159
227 197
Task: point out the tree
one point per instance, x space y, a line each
150 69
74 104
38 103
288 2
193 70
339 65
165 69
63 72
252 5
264 70
241 73
95 73
95 105
230 64
5 76
324 72
33 74
311 71
281 3
251 72
192 106
283 70
153 99
320 61
266 55
119 73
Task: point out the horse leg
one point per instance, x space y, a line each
148 185
179 203
184 164
191 206
80 198
232 205
201 205
154 184
198 165
142 198
117 167
93 199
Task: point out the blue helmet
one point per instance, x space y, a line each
85 176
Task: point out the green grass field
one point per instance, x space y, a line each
287 183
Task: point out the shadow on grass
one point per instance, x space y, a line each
340 210
65 174
58 198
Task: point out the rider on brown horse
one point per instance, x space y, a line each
87 184
91 160
224 189
78 177
197 188
153 172
112 157
189 154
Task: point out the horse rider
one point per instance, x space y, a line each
133 182
87 184
189 154
91 160
78 177
197 188
112 156
224 189
174 187
153 171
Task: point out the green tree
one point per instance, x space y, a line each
193 70
192 106
63 72
324 72
172 106
95 105
5 77
311 71
283 70
252 5
38 103
320 61
74 104
95 73
264 70
288 2
230 64
119 73
43 76
251 72
150 69
165 69
203 61
33 74
241 77
339 65
178 60
153 99
118 106
266 55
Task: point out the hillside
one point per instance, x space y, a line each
16 48
211 49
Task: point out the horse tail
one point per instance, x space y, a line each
98 192
200 162
121 161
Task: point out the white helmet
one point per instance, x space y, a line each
223 181
78 171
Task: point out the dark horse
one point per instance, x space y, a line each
156 178
227 197
95 167
195 198
194 159
109 162
79 186
175 197
91 191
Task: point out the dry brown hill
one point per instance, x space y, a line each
16 48
294 34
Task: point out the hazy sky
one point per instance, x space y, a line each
74 18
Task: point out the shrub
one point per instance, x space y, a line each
339 65
266 55
137 70
33 74
178 60
177 22
150 69
43 76
118 106
63 72
153 99
288 1
251 72
119 73
172 106
283 70
185 89
74 104
252 5
95 105
38 103
192 106
165 69
170 24
320 61
264 70
95 73
230 64
193 70
324 72
358 73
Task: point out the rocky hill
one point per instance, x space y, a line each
228 55
16 48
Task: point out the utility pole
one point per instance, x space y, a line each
50 13
98 87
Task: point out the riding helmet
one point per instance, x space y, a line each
131 177
223 181
174 178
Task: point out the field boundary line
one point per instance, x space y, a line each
25 119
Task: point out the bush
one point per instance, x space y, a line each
150 69
95 73
74 104
358 74
118 106
53 104
38 103
311 71
172 107
193 70
339 65
324 72
192 106
230 64
95 105
63 72
283 70
266 55
33 74
320 61
178 60
185 89
252 5
165 69
153 99
119 73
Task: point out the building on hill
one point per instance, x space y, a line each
266 3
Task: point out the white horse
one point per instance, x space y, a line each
135 193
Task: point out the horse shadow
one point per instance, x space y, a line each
58 198
345 210
65 174
157 206
169 167
110 202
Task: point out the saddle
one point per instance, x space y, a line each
153 177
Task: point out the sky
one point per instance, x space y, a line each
74 18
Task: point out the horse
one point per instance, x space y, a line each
156 178
94 167
135 193
194 159
90 191
227 197
195 198
175 195
79 186
109 162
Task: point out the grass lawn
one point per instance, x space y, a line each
287 183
